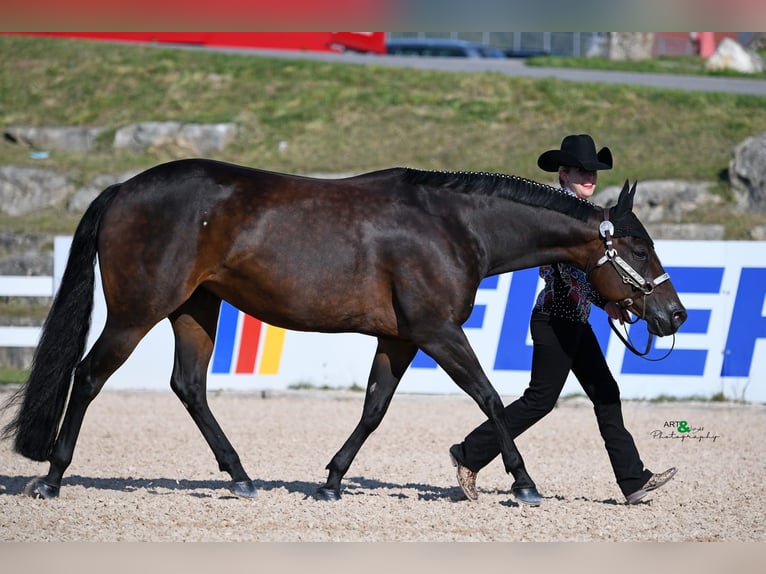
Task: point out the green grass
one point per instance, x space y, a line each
11 376
338 118
27 308
714 398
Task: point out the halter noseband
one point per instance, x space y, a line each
630 277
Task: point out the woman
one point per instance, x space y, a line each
563 341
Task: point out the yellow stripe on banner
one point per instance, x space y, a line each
272 350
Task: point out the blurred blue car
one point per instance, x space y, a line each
440 47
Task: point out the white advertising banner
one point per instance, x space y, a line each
720 348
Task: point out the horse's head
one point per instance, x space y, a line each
629 271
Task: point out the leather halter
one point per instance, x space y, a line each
630 277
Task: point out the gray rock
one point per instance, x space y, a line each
26 253
202 139
27 189
195 139
138 137
706 231
747 174
663 200
16 357
27 264
82 198
14 243
66 138
758 233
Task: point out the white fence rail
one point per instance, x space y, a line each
23 286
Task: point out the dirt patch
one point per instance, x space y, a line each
142 472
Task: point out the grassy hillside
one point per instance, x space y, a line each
352 118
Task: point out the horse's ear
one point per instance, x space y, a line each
625 201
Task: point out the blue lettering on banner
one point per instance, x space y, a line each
513 353
680 361
747 323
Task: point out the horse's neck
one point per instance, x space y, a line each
519 236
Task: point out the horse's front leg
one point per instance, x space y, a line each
452 351
392 358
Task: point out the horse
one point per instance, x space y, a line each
397 254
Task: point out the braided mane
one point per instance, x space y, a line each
509 187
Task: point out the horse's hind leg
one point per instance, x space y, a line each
392 358
452 351
113 347
194 325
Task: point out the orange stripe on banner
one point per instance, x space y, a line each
272 350
248 345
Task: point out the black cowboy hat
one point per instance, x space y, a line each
576 151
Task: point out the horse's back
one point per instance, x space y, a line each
300 252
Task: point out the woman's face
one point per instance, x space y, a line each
581 181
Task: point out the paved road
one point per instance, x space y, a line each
517 67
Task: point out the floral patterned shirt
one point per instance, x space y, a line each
567 293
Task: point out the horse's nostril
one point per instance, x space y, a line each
679 316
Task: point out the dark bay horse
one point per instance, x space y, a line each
397 254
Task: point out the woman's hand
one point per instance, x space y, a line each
616 312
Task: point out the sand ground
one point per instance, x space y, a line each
142 472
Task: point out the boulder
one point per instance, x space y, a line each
82 198
65 138
758 233
193 139
663 200
138 137
12 242
205 138
16 357
26 253
747 174
696 231
27 189
27 264
730 55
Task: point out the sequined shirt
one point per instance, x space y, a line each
567 293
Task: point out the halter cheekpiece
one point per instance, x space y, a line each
629 276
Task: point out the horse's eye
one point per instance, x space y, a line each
640 253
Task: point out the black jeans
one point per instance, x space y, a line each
561 346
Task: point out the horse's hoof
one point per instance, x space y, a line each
326 493
244 488
38 488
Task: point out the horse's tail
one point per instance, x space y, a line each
62 343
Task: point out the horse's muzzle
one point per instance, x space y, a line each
662 325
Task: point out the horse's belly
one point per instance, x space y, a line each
302 305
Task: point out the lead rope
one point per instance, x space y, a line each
631 347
